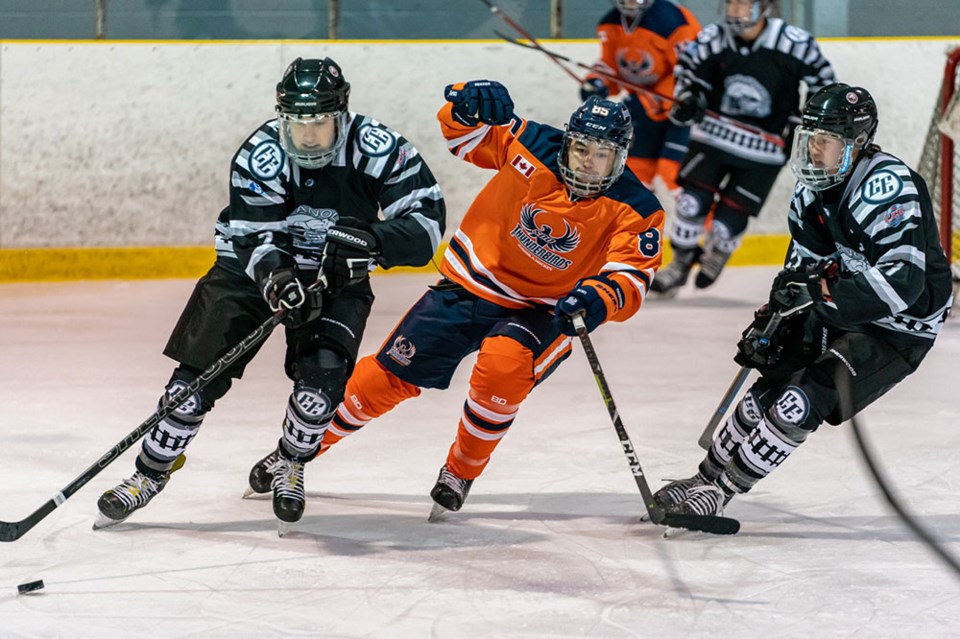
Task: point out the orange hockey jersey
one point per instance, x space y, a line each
523 241
646 53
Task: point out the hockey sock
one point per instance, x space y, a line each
736 429
768 446
371 391
308 414
168 439
482 426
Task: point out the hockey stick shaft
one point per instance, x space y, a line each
655 512
766 135
11 531
525 34
704 523
706 437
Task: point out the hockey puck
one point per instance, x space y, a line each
30 586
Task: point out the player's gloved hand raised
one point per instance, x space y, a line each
282 290
477 101
593 86
794 290
587 299
690 108
347 254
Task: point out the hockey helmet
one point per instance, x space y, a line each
595 144
836 124
633 8
759 9
312 99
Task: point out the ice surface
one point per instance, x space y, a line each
549 544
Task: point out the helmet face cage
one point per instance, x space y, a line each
759 9
312 141
311 93
821 159
601 124
633 9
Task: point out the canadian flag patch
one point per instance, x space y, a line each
524 166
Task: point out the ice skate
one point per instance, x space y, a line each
132 494
674 275
261 479
704 500
711 264
289 497
448 494
677 491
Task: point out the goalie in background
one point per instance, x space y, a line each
639 42
750 68
865 285
559 230
307 192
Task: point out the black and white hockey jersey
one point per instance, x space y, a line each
279 213
879 225
756 83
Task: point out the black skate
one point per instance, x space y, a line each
711 264
704 500
448 494
674 275
122 501
677 491
261 479
289 496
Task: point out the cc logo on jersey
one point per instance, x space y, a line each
375 142
266 160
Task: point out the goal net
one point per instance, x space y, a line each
940 161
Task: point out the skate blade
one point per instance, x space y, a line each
250 493
437 513
103 521
283 528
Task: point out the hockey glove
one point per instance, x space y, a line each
480 101
347 254
794 290
593 86
283 290
690 108
587 299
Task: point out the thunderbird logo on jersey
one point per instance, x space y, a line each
640 71
538 239
523 165
402 351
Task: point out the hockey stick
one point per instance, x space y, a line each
776 140
703 523
13 530
523 32
706 437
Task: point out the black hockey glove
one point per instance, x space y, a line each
690 108
779 345
477 101
347 254
587 299
794 290
593 86
283 290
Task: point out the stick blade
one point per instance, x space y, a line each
703 523
9 531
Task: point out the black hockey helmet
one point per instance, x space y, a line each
311 87
848 114
603 123
312 100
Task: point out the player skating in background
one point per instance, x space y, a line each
307 191
560 229
639 42
749 67
866 287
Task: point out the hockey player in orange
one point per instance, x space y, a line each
559 230
639 42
